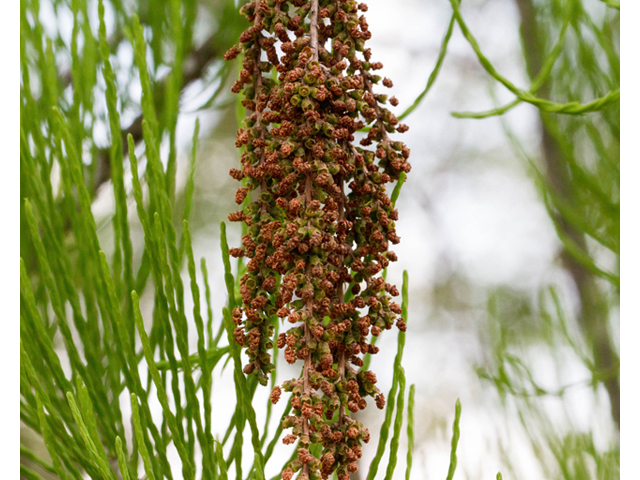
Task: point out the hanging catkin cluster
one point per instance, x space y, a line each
319 221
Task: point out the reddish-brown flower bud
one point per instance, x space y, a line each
289 439
275 394
232 53
289 355
328 459
238 334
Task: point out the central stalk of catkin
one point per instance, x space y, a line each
318 217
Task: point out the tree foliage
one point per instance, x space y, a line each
108 382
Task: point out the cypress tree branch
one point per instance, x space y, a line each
593 315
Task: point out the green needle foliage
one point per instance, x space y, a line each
453 462
579 180
575 85
572 56
108 380
410 432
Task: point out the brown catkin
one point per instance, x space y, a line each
318 217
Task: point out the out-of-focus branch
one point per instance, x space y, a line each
594 313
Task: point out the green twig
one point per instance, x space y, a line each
434 73
410 432
572 108
453 461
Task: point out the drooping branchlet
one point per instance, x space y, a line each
320 222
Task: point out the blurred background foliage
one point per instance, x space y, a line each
510 218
